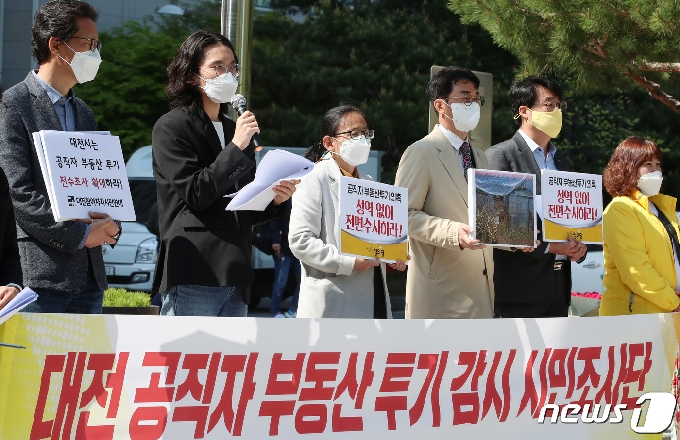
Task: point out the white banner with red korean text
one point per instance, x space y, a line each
143 377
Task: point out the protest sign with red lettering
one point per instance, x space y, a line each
373 219
142 377
571 204
83 172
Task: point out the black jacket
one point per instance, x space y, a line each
10 263
526 277
278 230
201 243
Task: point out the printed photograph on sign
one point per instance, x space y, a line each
373 220
501 207
571 204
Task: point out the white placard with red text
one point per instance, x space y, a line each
138 377
83 172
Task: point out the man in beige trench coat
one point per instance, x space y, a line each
450 274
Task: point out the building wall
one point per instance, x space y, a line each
18 17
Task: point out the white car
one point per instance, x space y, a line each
131 264
587 276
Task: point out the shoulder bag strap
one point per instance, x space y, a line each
671 231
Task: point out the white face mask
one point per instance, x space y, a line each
650 183
84 64
465 117
355 152
220 89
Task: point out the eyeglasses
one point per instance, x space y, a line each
355 135
467 100
552 105
94 44
221 69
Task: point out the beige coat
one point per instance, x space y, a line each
330 287
443 281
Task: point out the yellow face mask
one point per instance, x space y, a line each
549 123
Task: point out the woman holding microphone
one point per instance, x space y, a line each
199 155
334 285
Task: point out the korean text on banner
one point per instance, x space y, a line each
83 172
92 376
572 204
373 219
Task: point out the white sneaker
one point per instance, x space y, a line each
278 315
290 314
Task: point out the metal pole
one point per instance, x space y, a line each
237 26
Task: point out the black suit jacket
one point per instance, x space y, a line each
10 263
526 277
201 243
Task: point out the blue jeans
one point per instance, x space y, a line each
87 299
282 267
204 301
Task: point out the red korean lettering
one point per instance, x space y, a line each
491 396
141 429
43 428
114 381
319 376
433 363
589 375
231 364
391 384
356 390
70 394
461 400
276 409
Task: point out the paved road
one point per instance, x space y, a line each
263 308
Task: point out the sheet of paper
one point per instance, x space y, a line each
23 298
275 166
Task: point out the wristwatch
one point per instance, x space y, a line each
120 230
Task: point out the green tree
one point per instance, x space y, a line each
603 44
376 55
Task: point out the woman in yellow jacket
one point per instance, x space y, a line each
640 234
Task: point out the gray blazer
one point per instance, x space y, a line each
329 288
50 257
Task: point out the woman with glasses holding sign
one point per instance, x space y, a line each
334 285
640 234
199 155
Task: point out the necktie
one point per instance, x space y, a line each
466 154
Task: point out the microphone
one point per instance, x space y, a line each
239 104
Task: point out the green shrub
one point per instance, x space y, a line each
124 298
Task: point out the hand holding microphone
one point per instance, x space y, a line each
246 125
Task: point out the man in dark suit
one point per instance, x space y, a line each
543 288
199 156
10 263
62 262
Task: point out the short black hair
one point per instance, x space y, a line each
57 18
442 82
182 93
523 93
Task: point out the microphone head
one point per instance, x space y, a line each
238 101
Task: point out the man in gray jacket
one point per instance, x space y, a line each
62 261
